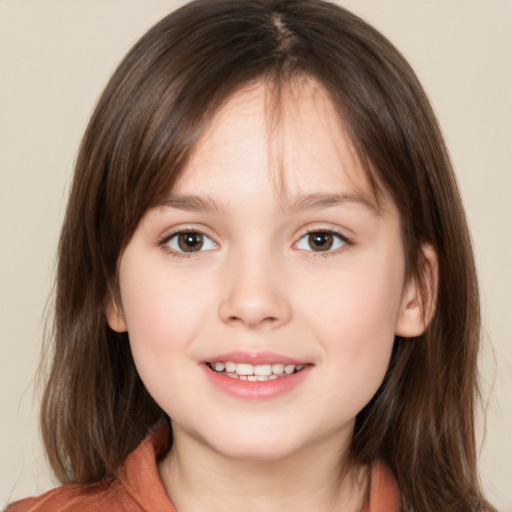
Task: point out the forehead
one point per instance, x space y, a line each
293 135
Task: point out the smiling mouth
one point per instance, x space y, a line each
255 373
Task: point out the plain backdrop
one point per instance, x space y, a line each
55 58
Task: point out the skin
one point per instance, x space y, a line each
258 285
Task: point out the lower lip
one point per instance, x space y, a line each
256 390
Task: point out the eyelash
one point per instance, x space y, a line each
164 241
326 254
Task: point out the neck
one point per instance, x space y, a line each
318 478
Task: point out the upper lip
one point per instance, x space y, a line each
253 358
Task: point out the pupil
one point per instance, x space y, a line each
190 242
321 241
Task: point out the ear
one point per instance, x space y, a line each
420 296
115 315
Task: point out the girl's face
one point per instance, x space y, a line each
263 296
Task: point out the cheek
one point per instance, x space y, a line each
358 341
361 339
162 315
354 319
159 327
361 303
158 304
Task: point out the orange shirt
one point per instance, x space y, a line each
138 488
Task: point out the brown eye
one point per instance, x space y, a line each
321 241
190 241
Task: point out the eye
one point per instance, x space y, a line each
190 241
321 241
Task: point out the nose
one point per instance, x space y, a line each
254 294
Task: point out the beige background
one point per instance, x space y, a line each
55 57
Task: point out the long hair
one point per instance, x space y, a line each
95 409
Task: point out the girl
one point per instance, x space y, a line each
266 295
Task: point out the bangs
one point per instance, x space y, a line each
284 95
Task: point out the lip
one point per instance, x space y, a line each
255 390
254 358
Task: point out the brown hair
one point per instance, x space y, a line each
95 408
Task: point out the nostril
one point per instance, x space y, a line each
253 308
253 321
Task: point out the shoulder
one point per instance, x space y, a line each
107 495
136 488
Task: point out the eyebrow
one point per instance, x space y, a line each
190 203
300 203
319 201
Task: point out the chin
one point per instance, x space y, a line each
254 444
257 450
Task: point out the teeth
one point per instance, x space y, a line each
289 369
263 370
277 369
244 369
230 367
260 372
